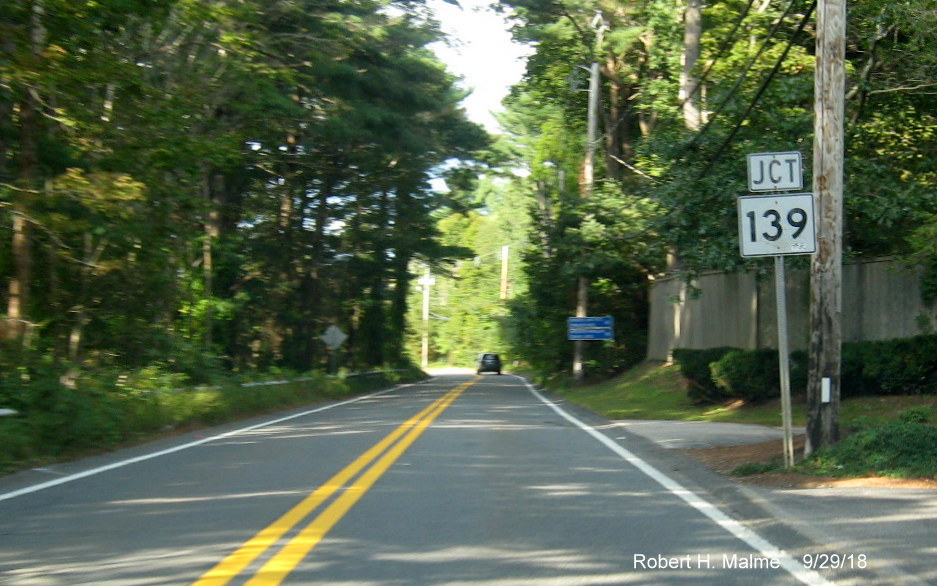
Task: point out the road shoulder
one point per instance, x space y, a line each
813 523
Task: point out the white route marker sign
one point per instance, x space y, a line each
775 225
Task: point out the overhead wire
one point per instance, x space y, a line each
742 78
727 41
724 46
762 89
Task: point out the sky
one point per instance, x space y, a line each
481 52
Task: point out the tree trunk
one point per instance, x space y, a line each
689 90
212 185
28 173
90 261
18 288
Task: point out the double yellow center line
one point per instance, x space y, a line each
383 455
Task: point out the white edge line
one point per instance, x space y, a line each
79 475
691 498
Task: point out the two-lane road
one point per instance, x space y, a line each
460 480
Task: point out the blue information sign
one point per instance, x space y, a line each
590 328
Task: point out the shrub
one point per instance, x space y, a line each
15 442
750 468
694 366
919 414
919 366
854 380
73 421
154 377
902 450
799 371
750 375
889 366
103 411
905 366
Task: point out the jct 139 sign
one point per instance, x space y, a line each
773 225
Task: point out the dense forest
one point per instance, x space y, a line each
687 91
195 188
200 186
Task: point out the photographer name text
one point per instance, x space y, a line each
705 561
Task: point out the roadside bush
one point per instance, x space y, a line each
900 450
750 375
15 442
751 468
800 371
154 377
13 392
694 367
905 366
72 420
57 421
854 381
919 414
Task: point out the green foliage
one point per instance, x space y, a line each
854 379
695 175
748 375
929 277
751 468
900 450
468 314
102 414
211 189
658 391
891 367
17 445
886 367
608 238
919 414
695 368
800 371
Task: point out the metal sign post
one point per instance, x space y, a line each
784 361
778 225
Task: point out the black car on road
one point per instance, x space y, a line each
488 362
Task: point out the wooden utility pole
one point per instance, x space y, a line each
586 182
505 252
823 387
426 281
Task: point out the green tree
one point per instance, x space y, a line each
218 179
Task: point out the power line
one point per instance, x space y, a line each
762 89
751 63
726 43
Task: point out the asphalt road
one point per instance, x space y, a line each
458 480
